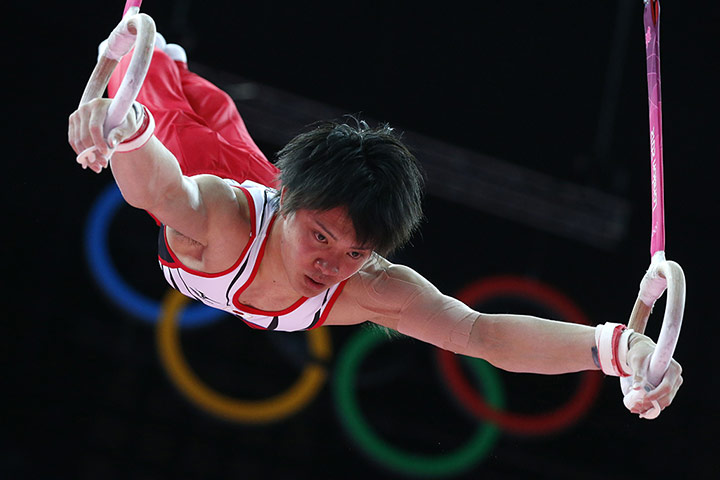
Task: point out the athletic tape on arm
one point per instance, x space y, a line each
91 157
421 310
611 340
146 127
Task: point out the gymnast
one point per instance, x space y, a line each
302 242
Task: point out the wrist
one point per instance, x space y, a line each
142 135
612 345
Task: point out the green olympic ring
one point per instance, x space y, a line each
394 458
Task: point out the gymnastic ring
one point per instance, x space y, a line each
672 319
136 33
98 257
141 28
521 424
269 410
396 459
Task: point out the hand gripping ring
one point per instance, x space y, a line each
672 321
134 30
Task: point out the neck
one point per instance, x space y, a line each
271 275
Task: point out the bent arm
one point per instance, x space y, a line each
150 179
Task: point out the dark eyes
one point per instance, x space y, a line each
323 239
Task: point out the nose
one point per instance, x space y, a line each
326 267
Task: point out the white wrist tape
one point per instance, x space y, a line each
611 340
91 158
143 133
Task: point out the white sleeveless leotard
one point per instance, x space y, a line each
222 290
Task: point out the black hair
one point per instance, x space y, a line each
368 170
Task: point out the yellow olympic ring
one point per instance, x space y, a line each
272 409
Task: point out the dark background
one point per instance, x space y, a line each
557 88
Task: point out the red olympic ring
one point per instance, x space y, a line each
518 423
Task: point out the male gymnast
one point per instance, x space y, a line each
302 242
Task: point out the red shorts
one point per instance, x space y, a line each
198 122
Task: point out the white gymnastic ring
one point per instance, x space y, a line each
672 320
135 29
143 27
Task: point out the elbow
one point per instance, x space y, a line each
156 192
143 199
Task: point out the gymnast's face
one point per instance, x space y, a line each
319 249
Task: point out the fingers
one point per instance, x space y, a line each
638 403
85 134
651 413
641 405
74 129
91 158
116 135
95 128
665 392
638 358
641 397
648 401
85 126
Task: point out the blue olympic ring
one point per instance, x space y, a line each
112 284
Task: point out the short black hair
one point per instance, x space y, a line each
370 171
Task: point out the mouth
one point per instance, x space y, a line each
313 283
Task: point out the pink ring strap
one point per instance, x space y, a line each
132 4
659 266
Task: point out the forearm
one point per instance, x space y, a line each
147 176
147 173
521 343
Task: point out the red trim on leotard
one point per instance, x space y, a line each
330 304
180 265
250 324
256 311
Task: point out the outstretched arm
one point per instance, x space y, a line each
516 343
399 298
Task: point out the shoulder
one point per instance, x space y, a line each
380 278
227 226
378 292
226 201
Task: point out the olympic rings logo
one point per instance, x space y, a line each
477 293
486 404
98 257
395 458
275 408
